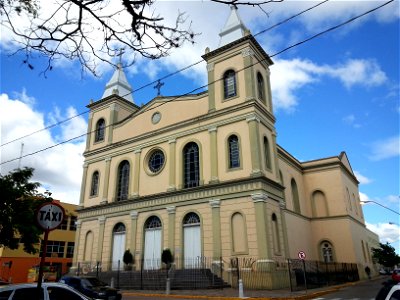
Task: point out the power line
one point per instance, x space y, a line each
215 81
164 77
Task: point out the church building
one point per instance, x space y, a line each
202 175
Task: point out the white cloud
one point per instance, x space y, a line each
385 149
291 75
361 178
58 169
358 71
351 120
388 233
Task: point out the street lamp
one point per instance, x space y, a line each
370 201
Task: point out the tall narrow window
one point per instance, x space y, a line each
191 165
267 153
123 181
94 187
234 157
295 196
260 87
229 84
100 127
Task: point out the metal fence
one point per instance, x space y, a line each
203 272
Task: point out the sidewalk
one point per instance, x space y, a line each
233 294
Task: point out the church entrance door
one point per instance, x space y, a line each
118 246
192 241
152 244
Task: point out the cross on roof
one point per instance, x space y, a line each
158 87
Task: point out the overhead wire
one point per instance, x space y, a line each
213 82
161 78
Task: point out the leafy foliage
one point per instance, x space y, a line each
18 204
166 257
386 255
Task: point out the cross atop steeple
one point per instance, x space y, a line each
121 52
158 87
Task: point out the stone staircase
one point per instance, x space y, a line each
156 279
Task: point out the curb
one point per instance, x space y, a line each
294 297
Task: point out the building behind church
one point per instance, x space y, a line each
202 175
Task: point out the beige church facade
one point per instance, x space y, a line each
202 175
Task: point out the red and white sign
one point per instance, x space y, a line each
302 255
50 215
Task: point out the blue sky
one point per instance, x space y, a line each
337 92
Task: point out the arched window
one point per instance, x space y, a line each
88 247
319 204
234 154
123 181
191 219
94 187
260 87
239 233
100 127
191 165
229 84
327 251
348 199
153 223
295 196
267 153
275 235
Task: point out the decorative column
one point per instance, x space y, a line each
216 228
76 244
102 222
113 118
263 263
106 180
83 186
136 173
211 87
89 130
282 206
172 165
134 216
275 155
214 154
254 135
171 228
247 55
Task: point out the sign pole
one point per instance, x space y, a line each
42 260
49 216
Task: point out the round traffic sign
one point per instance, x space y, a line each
50 215
301 255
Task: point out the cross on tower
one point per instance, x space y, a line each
119 52
158 87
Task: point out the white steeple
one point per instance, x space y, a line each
234 28
119 85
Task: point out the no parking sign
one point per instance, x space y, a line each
302 255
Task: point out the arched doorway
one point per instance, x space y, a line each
192 240
152 243
118 246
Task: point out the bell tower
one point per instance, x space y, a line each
238 69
